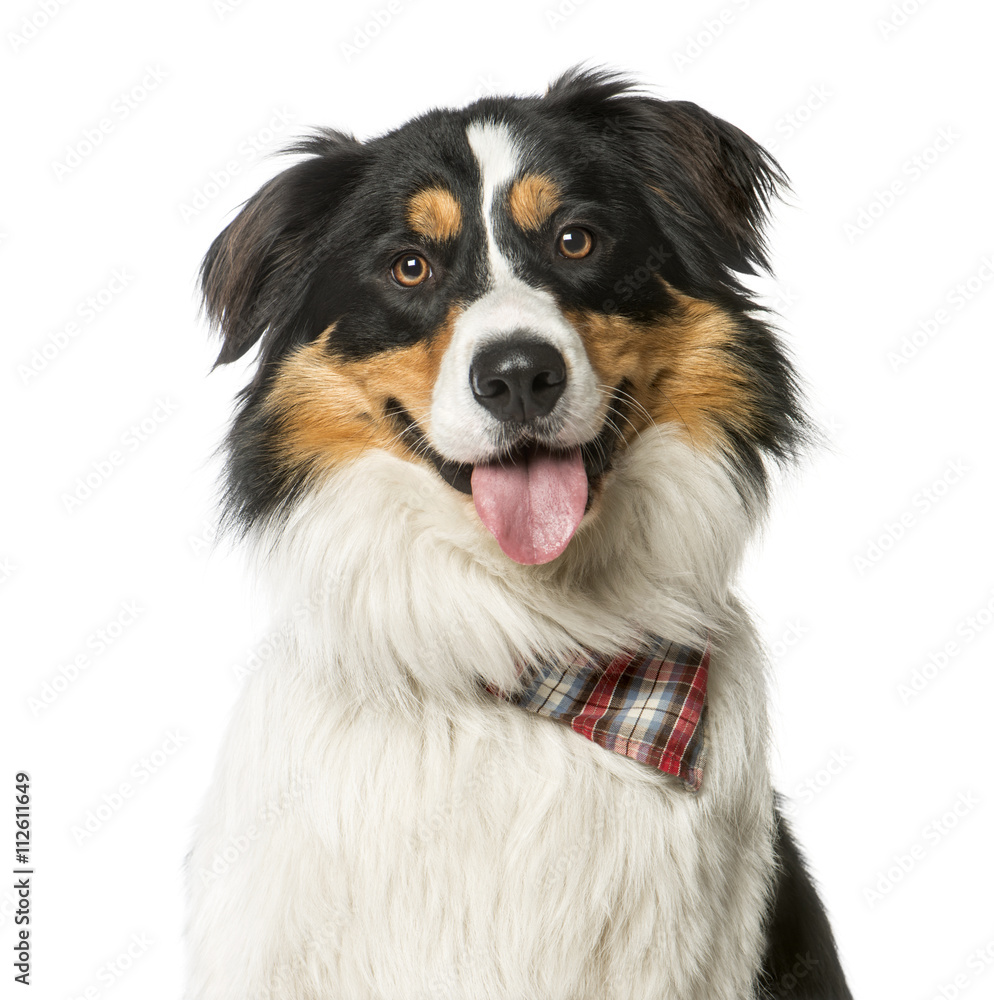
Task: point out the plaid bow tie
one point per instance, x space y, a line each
649 705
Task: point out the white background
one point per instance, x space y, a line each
878 553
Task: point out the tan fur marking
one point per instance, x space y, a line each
532 200
435 214
678 368
330 411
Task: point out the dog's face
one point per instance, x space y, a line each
510 295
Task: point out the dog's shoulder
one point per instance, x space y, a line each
802 961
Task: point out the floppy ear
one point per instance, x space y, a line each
709 185
255 274
710 179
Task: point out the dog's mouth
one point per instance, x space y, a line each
532 497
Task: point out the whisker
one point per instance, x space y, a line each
628 397
616 411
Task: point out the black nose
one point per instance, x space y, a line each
518 379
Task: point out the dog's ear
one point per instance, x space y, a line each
255 273
709 184
712 180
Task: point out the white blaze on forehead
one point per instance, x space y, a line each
498 157
461 429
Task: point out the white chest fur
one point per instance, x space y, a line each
381 828
409 854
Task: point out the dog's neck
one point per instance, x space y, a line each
383 576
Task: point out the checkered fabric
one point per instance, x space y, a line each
649 705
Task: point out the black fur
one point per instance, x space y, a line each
801 961
668 188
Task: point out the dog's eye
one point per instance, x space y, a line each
575 242
410 269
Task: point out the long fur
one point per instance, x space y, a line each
416 792
381 827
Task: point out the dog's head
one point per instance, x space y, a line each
511 296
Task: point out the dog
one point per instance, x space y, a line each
513 421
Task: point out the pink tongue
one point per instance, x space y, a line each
534 505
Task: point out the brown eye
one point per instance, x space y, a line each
575 242
410 269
